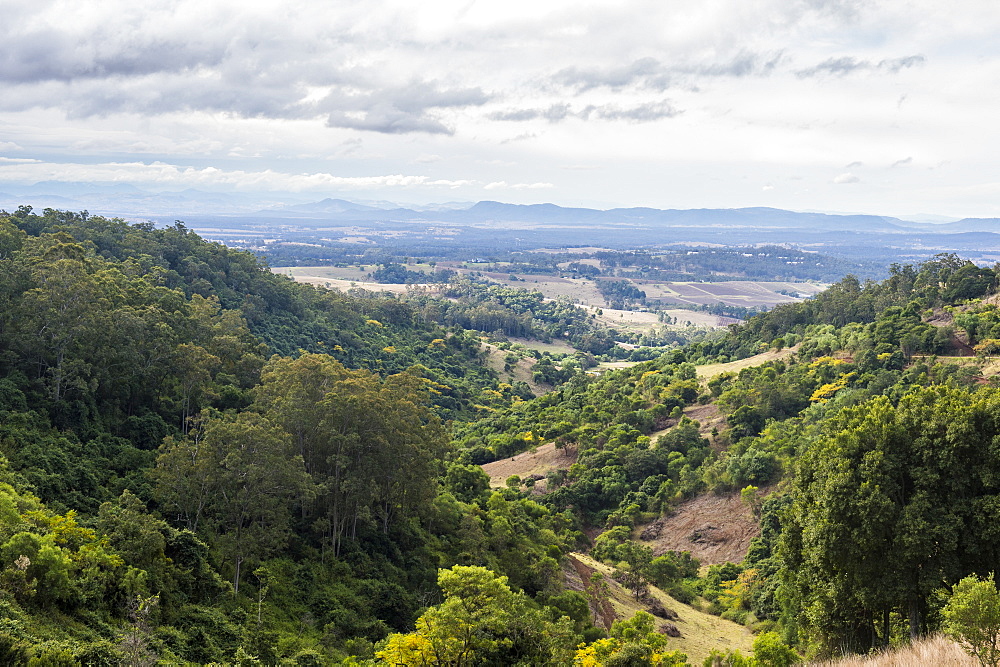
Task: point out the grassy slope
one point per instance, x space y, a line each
700 632
540 461
711 370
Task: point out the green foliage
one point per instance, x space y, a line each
768 651
153 449
890 502
972 618
481 621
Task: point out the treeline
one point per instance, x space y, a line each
946 279
510 311
620 294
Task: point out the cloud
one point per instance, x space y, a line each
855 165
651 74
646 72
848 65
901 163
399 110
160 173
554 113
896 64
643 113
743 64
304 61
640 113
503 185
845 178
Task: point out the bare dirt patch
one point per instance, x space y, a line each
540 462
715 529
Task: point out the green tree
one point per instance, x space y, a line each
370 445
245 475
972 618
482 621
891 501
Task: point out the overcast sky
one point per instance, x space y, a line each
886 107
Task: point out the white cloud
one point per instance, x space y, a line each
503 185
846 178
162 174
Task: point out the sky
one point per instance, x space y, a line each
887 107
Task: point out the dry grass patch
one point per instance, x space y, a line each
557 346
700 632
937 651
711 370
539 461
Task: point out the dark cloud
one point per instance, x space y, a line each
895 64
388 120
835 66
743 65
399 110
652 74
157 61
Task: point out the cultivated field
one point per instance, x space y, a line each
748 294
584 292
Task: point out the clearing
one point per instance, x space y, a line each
711 370
699 632
541 461
715 529
521 371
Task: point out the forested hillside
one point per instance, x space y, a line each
204 461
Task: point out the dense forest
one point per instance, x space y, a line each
206 462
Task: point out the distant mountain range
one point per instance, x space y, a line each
491 224
128 201
486 212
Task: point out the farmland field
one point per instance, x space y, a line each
732 293
584 291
